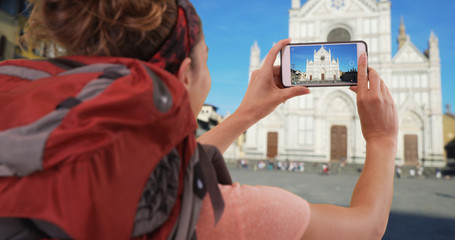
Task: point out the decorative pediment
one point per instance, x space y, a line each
410 104
338 102
409 53
322 52
321 10
325 7
410 114
355 7
411 119
338 105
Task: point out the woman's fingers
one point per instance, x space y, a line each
353 88
277 76
375 80
271 56
362 75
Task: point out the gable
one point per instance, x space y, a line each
322 51
326 7
321 10
355 7
409 54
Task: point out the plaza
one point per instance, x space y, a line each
422 209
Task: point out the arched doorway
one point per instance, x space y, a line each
338 143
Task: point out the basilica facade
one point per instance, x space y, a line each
322 66
324 125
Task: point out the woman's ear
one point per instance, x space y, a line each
183 74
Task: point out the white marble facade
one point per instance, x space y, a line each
307 126
322 67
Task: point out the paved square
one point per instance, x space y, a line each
422 208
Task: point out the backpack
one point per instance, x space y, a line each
100 148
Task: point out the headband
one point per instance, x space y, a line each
181 40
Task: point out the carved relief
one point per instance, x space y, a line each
339 105
411 119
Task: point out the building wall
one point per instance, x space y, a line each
304 124
13 17
8 29
449 128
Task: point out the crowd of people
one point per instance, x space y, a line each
289 166
324 168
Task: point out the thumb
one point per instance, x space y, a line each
295 91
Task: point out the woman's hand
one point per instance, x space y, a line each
265 91
368 213
377 111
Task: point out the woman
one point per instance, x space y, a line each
168 34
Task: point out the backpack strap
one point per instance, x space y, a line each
107 68
200 179
22 148
65 63
23 72
32 74
161 94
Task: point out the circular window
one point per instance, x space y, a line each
339 35
322 58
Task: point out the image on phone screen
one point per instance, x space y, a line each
324 64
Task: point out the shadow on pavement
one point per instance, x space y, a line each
417 227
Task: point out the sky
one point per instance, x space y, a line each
232 26
346 55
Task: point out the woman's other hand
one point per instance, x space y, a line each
377 111
265 90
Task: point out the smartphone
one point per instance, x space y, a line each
321 64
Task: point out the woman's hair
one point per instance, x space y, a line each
123 28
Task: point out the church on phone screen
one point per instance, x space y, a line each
324 125
322 61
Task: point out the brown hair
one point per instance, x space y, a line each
123 28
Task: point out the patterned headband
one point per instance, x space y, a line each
181 40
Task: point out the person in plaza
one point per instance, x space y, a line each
438 174
279 165
141 30
325 169
286 165
301 166
261 164
420 170
398 171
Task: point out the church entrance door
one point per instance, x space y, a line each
322 76
338 143
272 144
410 150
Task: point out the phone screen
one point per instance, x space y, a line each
321 64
